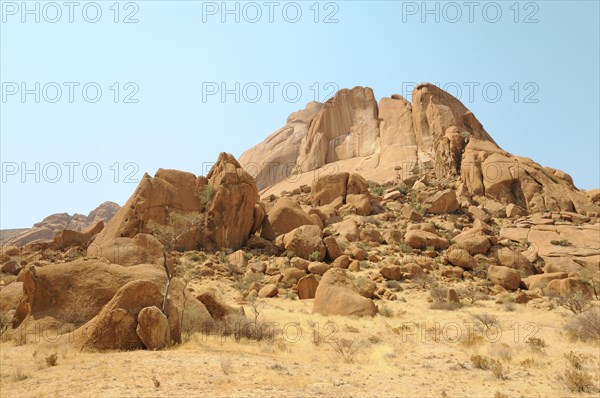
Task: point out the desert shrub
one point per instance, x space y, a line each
196 257
424 280
486 320
586 325
205 194
465 134
509 306
498 370
471 339
536 343
574 360
314 256
504 352
52 359
391 284
575 377
481 362
377 190
386 311
292 295
439 296
527 362
79 309
405 248
438 293
375 339
472 294
576 302
403 189
351 329
347 349
578 381
5 322
248 279
562 242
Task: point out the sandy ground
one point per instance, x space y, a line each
401 355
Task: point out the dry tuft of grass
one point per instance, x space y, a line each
537 344
226 365
52 359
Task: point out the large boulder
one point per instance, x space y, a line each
568 287
515 260
141 249
541 281
442 202
153 328
283 217
307 287
115 326
303 242
473 240
230 214
337 295
325 189
73 293
461 257
506 277
12 267
10 296
420 239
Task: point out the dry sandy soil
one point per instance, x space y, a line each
396 358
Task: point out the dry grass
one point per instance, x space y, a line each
393 350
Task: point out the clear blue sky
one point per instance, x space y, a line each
175 50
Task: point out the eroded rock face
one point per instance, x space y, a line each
276 158
346 127
46 229
230 216
394 140
227 198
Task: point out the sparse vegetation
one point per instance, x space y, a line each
314 256
347 348
52 359
575 377
562 242
486 320
536 343
585 325
205 195
576 302
386 311
178 225
424 281
5 322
